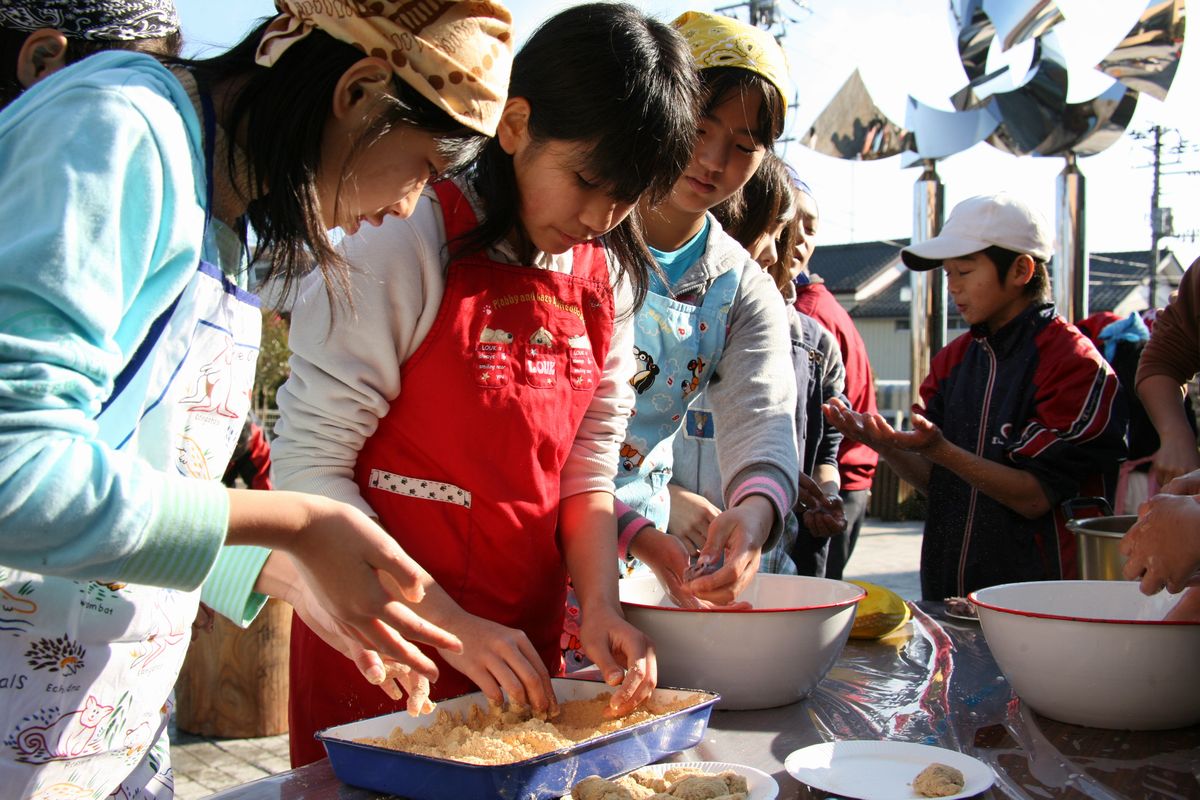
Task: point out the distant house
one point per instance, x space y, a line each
872 284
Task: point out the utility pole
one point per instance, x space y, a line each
762 13
1161 222
1155 225
766 14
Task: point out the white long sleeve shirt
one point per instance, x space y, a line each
346 363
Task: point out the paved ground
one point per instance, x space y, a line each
887 554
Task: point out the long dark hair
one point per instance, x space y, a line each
765 201
608 75
281 112
724 83
11 42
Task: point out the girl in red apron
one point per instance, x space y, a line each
128 355
477 405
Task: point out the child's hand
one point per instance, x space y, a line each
1176 457
875 432
865 428
1188 483
280 578
808 492
669 559
624 656
1188 607
396 681
826 519
923 437
347 576
691 514
737 534
1163 546
500 660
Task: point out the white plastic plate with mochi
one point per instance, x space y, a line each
881 770
761 785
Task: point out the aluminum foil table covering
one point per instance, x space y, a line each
938 685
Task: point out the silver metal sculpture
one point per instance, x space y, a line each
1020 111
927 310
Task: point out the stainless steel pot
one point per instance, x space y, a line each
1099 539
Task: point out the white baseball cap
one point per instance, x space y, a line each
999 220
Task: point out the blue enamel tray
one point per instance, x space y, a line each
547 776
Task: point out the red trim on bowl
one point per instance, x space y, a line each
1069 618
719 610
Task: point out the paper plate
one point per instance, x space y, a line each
874 770
761 785
968 612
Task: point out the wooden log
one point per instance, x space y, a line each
888 493
234 682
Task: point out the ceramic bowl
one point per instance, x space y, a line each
1094 653
770 655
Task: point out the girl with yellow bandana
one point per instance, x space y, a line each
129 352
714 325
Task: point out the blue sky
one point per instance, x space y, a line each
900 52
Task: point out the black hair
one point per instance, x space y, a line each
722 84
789 236
12 40
608 75
1038 287
765 201
281 112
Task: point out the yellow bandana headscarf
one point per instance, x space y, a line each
456 53
718 41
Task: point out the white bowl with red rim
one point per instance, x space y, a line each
1094 653
770 655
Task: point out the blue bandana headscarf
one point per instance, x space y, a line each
102 20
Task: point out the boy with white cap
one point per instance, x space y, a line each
1017 415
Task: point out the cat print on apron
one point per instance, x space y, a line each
676 346
73 726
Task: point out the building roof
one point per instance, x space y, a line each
1112 276
846 267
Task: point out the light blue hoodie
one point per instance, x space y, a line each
102 220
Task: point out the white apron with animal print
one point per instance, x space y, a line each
86 669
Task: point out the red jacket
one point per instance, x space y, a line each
856 461
1036 396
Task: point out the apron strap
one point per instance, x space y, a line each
457 215
156 328
210 144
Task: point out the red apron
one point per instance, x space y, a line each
464 469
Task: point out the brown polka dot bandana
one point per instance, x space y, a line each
456 53
98 20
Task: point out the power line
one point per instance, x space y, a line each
767 14
1161 219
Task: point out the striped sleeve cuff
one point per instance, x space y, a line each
629 524
770 483
229 589
184 536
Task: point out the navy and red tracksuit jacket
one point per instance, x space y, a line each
1035 395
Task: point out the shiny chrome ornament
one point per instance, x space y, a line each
1023 111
